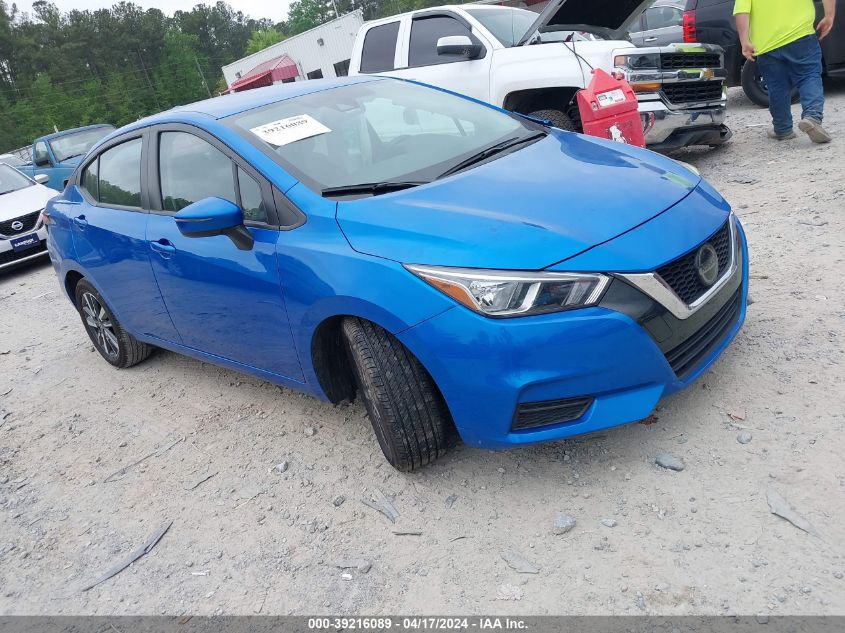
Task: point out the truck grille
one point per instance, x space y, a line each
530 415
679 61
29 221
681 274
688 355
693 91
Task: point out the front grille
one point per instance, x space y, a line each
530 415
29 221
680 61
681 274
684 358
693 91
9 257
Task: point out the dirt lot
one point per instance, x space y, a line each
248 540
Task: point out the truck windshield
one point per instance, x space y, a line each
12 180
379 133
77 143
506 24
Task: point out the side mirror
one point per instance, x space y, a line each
458 45
42 160
215 216
41 179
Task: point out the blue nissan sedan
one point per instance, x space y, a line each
470 271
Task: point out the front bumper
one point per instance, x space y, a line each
667 129
10 258
485 368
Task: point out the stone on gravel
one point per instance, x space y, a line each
338 501
669 461
744 437
563 523
608 523
309 431
517 562
509 592
780 506
280 467
838 575
450 501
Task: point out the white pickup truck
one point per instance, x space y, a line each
534 64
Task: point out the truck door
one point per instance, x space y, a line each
465 74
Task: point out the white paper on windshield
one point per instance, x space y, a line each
610 97
289 130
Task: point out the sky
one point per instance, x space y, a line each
276 10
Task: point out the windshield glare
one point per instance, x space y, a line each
12 180
383 130
508 25
77 144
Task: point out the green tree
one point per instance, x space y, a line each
264 38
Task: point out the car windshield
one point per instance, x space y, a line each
12 180
376 132
508 25
78 143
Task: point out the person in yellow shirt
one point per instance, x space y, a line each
779 34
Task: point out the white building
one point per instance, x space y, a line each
323 51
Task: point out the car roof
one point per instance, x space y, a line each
49 137
235 103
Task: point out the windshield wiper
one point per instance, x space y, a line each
486 153
374 188
61 160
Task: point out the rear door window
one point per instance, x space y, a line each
379 50
119 181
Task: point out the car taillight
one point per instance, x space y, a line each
689 27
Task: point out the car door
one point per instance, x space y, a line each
664 25
636 33
109 236
223 301
453 72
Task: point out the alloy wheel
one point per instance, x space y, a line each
99 323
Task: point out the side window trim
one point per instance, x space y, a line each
396 46
130 136
154 183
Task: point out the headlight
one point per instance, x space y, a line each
501 293
638 61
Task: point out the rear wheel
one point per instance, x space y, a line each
115 344
408 413
558 118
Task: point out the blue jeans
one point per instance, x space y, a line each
795 65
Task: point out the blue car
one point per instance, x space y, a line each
471 272
57 155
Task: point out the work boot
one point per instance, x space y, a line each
814 130
781 137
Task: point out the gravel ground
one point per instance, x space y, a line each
247 540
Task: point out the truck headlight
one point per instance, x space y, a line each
638 61
506 293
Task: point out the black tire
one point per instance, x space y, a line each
116 345
755 88
558 118
407 411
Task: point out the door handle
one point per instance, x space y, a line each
80 221
163 247
651 39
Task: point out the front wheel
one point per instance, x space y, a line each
407 411
559 119
115 344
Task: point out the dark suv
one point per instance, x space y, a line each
712 22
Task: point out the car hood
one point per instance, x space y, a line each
524 211
23 201
610 17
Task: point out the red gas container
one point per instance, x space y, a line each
608 109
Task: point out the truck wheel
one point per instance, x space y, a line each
559 119
754 86
408 414
115 344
